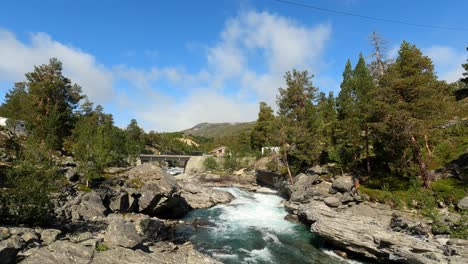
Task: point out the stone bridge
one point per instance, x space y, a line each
178 158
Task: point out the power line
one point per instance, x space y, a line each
369 17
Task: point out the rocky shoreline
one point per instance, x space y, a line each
344 218
130 218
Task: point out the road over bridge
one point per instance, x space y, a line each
178 158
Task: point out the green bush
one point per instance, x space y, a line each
231 162
210 163
26 198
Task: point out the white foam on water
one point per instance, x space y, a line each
253 210
257 255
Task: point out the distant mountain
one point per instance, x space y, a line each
216 130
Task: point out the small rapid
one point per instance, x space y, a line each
252 229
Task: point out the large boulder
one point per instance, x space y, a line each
364 230
343 184
202 197
120 202
89 208
62 252
9 249
300 191
332 201
122 233
157 193
48 236
463 203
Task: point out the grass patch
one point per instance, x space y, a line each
84 188
100 246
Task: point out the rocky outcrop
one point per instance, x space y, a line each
374 231
198 196
63 252
162 252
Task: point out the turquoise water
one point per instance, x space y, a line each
252 229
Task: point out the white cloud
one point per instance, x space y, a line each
18 58
447 61
245 66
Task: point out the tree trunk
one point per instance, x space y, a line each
285 157
367 151
422 165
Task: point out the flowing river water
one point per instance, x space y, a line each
252 229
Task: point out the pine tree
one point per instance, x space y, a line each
364 87
348 130
16 105
410 103
462 91
263 131
297 123
327 122
135 139
53 99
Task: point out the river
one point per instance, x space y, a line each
252 229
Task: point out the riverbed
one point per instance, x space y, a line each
252 229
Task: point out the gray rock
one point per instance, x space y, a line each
80 237
89 208
198 196
49 236
122 233
4 233
62 252
160 194
29 237
343 184
363 229
162 252
120 203
346 198
332 201
9 249
72 174
463 203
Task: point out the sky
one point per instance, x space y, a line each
174 64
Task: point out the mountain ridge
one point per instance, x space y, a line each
216 130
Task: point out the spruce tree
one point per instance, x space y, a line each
348 130
364 88
263 131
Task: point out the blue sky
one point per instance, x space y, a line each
173 64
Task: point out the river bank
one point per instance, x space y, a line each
345 218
